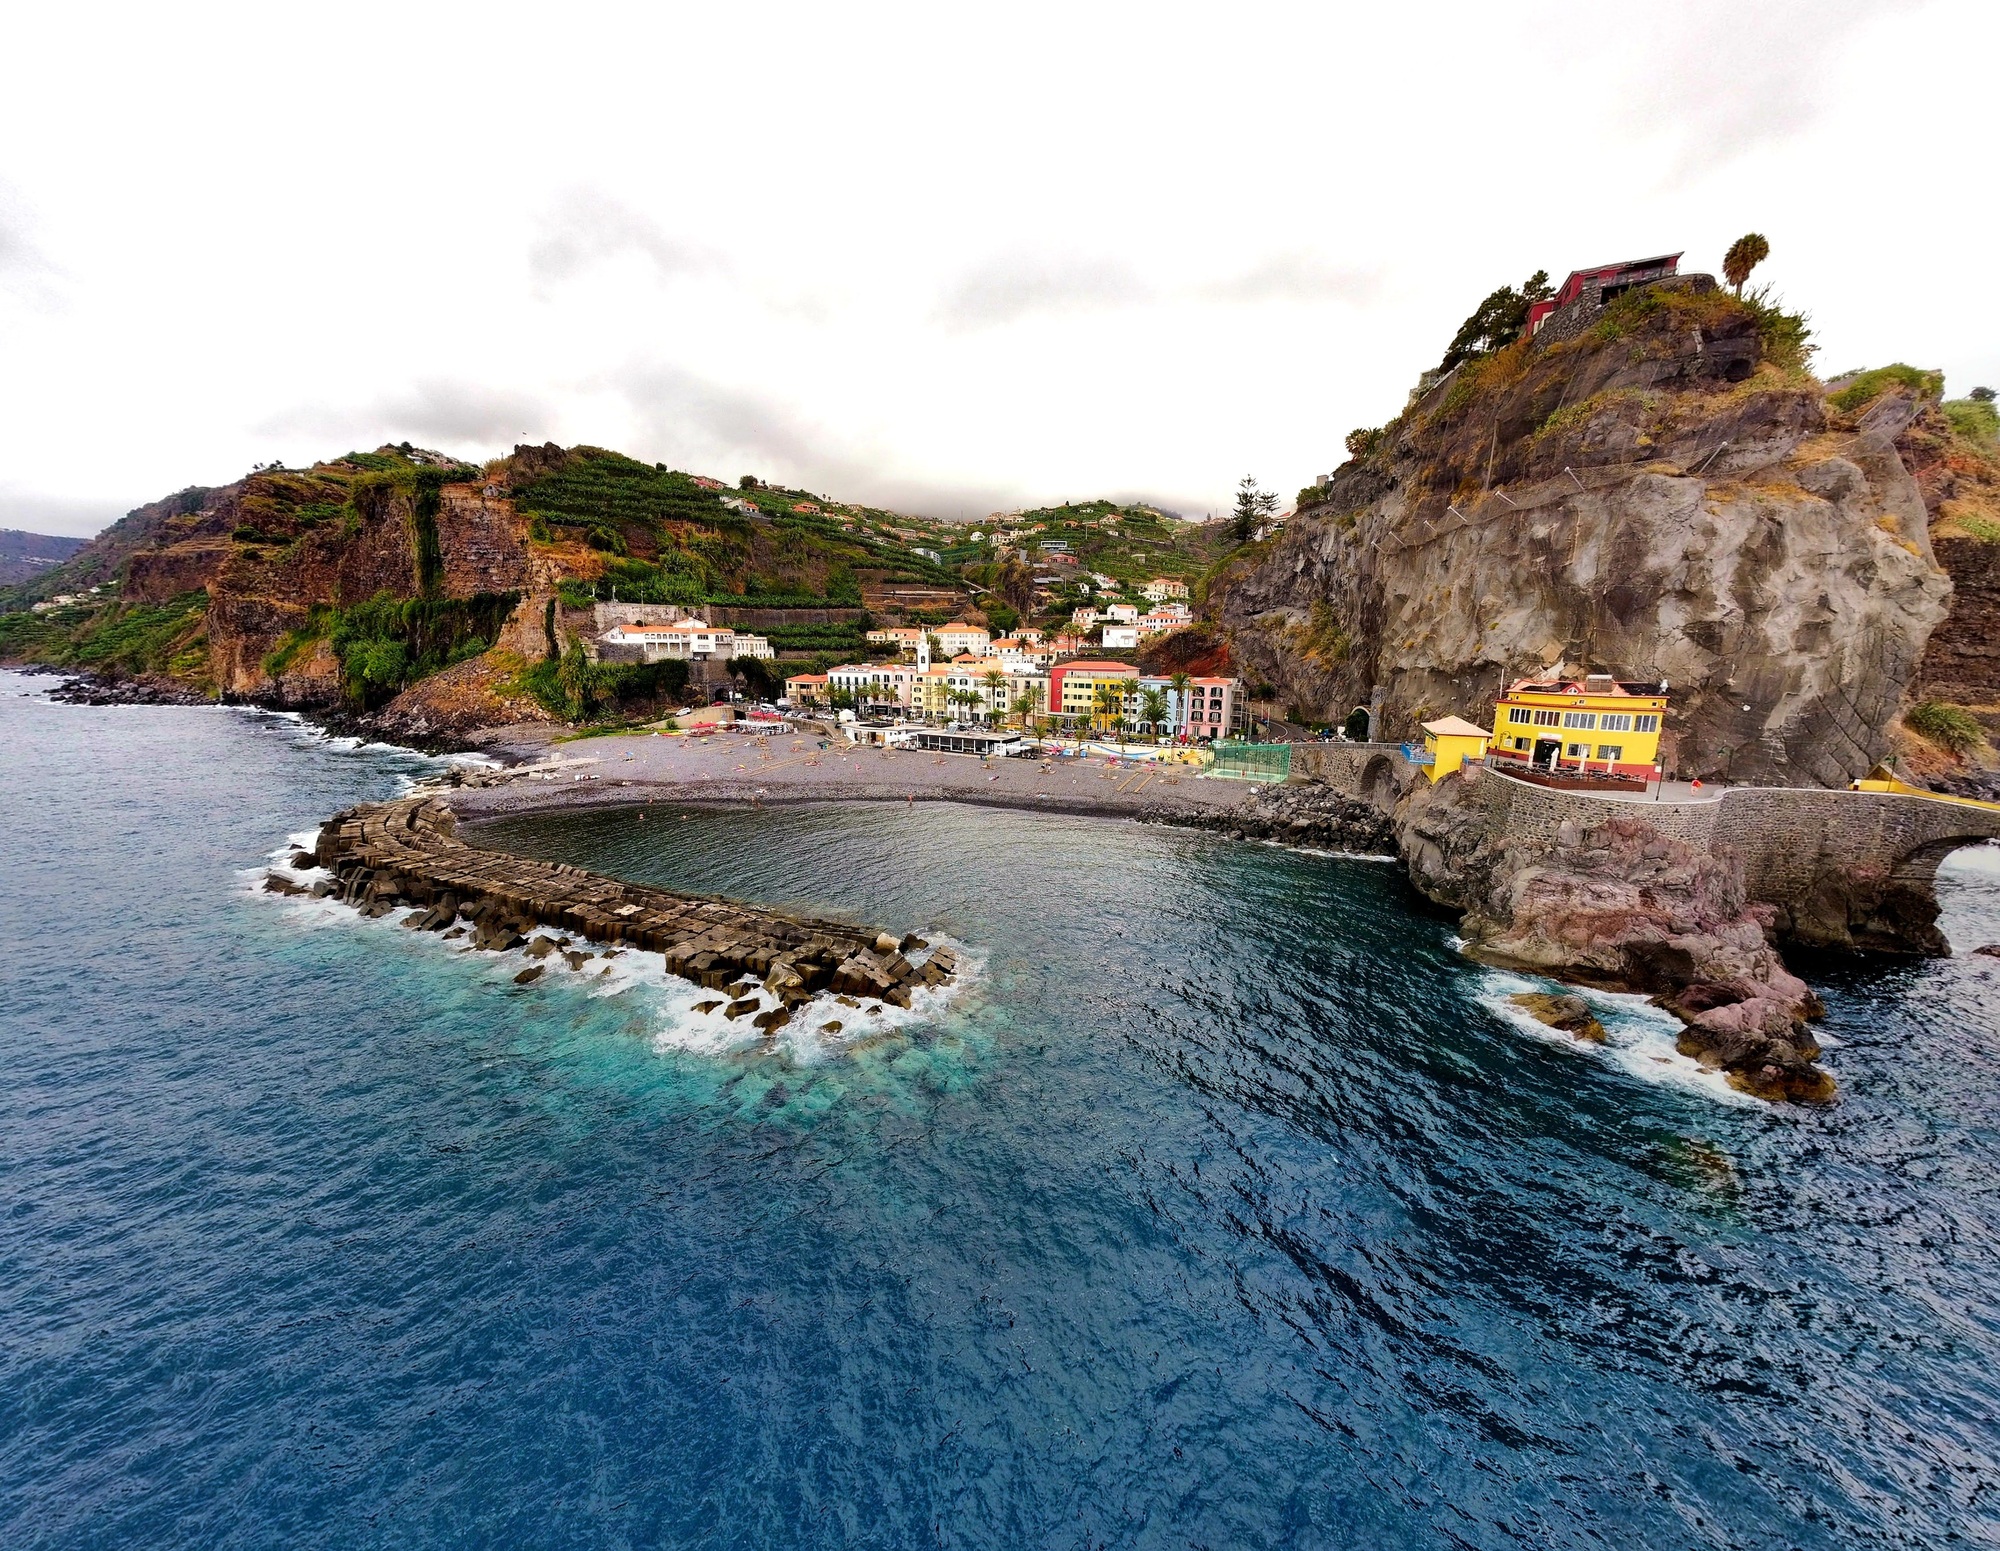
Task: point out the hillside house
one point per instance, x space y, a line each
1161 588
806 689
958 637
1588 291
685 640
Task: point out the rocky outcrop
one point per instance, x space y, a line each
1571 1014
1614 902
408 853
1314 815
1655 499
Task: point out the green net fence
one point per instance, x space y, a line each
1252 761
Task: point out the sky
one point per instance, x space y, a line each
949 259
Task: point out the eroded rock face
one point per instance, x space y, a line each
1626 505
1616 903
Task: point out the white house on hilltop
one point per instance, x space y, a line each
687 640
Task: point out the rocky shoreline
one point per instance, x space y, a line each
1612 903
408 853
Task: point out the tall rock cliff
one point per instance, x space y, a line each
1666 494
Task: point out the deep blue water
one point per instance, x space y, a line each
1220 1208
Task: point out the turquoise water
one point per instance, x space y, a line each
1223 1205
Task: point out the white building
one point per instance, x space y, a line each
904 638
1085 617
1121 613
1161 588
753 646
874 683
958 637
1108 583
686 640
1120 636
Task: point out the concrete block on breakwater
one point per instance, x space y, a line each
408 852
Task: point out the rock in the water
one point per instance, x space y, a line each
1991 950
884 943
775 1019
275 883
529 975
456 931
911 943
1571 1014
304 859
740 1006
541 947
577 960
702 1007
831 1026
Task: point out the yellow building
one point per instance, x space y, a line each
1074 686
1596 725
1452 743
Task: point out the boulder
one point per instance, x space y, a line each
773 1020
740 1006
1571 1014
275 883
529 975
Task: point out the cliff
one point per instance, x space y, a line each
433 595
1666 494
25 557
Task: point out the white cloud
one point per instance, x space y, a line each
910 254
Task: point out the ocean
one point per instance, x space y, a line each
1223 1203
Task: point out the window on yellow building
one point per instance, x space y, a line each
1645 724
1611 751
1582 721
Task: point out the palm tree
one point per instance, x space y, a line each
996 686
1182 683
1744 255
1153 711
1023 704
1105 703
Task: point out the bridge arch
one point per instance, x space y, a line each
1379 786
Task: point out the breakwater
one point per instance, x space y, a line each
409 853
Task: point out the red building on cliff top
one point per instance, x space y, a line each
1604 283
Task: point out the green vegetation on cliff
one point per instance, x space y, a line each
131 638
671 539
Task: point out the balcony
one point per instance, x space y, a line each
1416 754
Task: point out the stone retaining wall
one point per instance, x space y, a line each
1828 861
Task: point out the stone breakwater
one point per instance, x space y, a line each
408 853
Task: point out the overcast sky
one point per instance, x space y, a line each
947 258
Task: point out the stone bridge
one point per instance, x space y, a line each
1842 869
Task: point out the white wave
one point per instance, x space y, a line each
1639 1037
1338 856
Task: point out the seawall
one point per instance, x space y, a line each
1839 869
